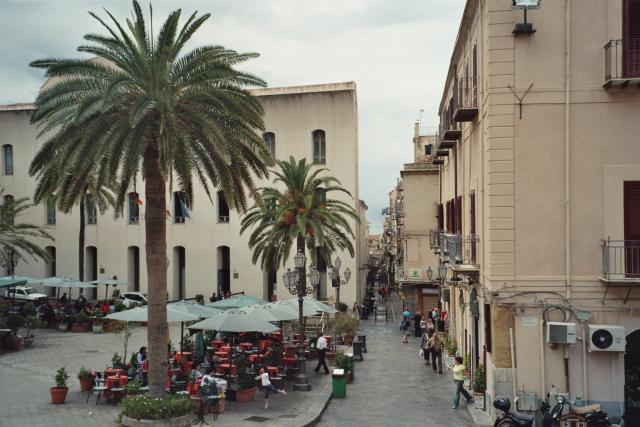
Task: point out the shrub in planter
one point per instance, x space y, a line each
86 379
119 307
342 307
81 323
345 325
31 323
29 309
146 408
12 341
133 388
61 319
246 380
200 299
117 362
59 392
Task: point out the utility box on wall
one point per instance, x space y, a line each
527 401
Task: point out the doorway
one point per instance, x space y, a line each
632 380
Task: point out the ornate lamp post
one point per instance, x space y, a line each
296 283
336 281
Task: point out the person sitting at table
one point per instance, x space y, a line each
62 301
88 309
197 372
141 356
47 314
209 378
69 310
80 303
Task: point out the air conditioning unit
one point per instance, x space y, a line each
561 333
606 338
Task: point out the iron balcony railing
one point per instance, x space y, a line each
465 94
621 60
459 249
621 260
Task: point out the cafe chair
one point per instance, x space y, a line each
98 387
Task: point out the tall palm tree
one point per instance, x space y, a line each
55 186
298 209
144 105
18 240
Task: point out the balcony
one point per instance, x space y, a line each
434 241
438 161
620 261
422 166
621 64
460 252
465 100
442 153
449 129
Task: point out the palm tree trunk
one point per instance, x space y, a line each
156 255
81 241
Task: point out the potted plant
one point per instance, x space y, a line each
246 380
13 341
81 323
59 392
132 389
342 362
86 378
31 323
117 362
342 307
479 386
62 321
345 326
97 323
200 299
119 306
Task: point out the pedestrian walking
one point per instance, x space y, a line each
321 345
267 387
417 331
458 378
436 344
424 345
356 310
405 330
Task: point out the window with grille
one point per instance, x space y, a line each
319 147
134 208
51 212
92 212
270 141
8 159
223 208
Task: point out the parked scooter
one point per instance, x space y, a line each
511 418
594 415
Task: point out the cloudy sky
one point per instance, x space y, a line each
397 51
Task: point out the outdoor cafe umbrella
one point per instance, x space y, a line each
312 304
236 301
65 282
234 321
285 311
29 280
202 311
141 314
12 283
199 347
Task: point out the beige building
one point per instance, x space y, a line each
539 203
206 252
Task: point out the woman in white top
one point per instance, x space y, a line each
267 387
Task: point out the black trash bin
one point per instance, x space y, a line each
357 351
363 340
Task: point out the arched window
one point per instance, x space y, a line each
270 141
134 208
319 147
7 151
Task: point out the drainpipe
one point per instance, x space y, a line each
567 139
585 383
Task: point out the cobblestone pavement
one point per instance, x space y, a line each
26 375
393 387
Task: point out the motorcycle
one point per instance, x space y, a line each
511 418
594 415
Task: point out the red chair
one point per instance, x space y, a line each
273 371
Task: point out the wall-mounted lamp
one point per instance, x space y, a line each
525 27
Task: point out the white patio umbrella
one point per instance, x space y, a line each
30 281
284 311
202 311
65 282
141 314
312 304
107 282
234 321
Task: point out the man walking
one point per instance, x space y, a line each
435 345
321 345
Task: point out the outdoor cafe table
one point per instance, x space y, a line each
114 371
115 381
246 346
184 354
226 367
217 343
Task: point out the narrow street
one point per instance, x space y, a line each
393 387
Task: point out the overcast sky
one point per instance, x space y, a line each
397 52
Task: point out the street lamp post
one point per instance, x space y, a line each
296 283
336 281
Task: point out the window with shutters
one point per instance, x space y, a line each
134 208
474 90
631 38
472 225
487 327
458 215
8 159
92 212
440 216
51 212
632 228
223 208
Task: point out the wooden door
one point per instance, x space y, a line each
632 228
631 38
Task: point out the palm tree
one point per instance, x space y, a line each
54 187
17 240
300 212
144 105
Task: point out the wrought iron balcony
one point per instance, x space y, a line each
621 63
621 261
459 251
449 129
465 100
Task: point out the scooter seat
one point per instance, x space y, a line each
522 417
581 410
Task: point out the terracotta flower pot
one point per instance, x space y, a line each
246 395
347 339
12 343
80 327
58 395
86 385
97 328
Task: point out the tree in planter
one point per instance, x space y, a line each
479 384
246 379
59 392
342 307
144 106
345 325
86 377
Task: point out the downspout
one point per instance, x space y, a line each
567 159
